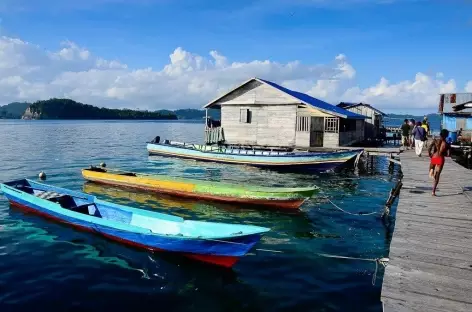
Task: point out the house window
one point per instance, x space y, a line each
332 124
245 115
303 124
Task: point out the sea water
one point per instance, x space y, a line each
53 267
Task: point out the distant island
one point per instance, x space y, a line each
70 109
13 110
196 114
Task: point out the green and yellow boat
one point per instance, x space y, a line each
277 197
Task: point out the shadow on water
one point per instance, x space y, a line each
154 275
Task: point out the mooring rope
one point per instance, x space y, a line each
353 214
382 261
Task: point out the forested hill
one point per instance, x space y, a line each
69 109
196 114
13 110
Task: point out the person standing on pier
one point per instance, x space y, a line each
437 160
405 128
419 133
412 124
425 125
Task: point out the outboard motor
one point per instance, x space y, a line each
156 140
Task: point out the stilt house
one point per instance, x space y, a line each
263 113
374 118
456 111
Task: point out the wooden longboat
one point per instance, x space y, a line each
277 197
221 244
316 161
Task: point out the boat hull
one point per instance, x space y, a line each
205 191
223 251
300 160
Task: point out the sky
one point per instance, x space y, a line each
397 55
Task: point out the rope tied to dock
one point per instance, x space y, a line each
382 261
361 213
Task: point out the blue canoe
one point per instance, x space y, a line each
318 161
217 243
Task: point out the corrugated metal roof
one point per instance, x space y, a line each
447 101
305 98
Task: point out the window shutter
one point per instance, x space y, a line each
243 117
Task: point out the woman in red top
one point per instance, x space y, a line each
438 158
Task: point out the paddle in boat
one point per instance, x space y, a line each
216 243
281 159
277 197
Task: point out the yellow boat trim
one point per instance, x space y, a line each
141 181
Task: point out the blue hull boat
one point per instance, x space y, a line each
216 243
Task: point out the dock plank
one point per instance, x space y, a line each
430 267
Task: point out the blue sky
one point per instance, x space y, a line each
395 39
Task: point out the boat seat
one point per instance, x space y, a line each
87 209
47 194
68 202
128 174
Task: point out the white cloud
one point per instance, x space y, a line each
468 86
28 72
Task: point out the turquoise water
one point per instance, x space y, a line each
47 265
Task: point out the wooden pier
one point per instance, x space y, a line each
430 267
371 151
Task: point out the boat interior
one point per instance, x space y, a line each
103 170
155 222
66 201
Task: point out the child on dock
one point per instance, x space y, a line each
441 150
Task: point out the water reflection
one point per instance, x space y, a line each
53 266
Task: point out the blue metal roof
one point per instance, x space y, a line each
305 98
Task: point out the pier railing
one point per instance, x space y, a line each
214 135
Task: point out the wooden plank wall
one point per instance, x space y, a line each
430 267
330 139
370 129
272 125
256 93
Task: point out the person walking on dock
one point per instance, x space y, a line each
419 133
412 124
438 158
405 128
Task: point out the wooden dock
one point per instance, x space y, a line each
371 151
430 266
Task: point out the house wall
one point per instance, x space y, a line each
371 130
271 125
459 99
453 123
351 137
330 139
302 139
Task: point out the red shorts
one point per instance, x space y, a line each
437 161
